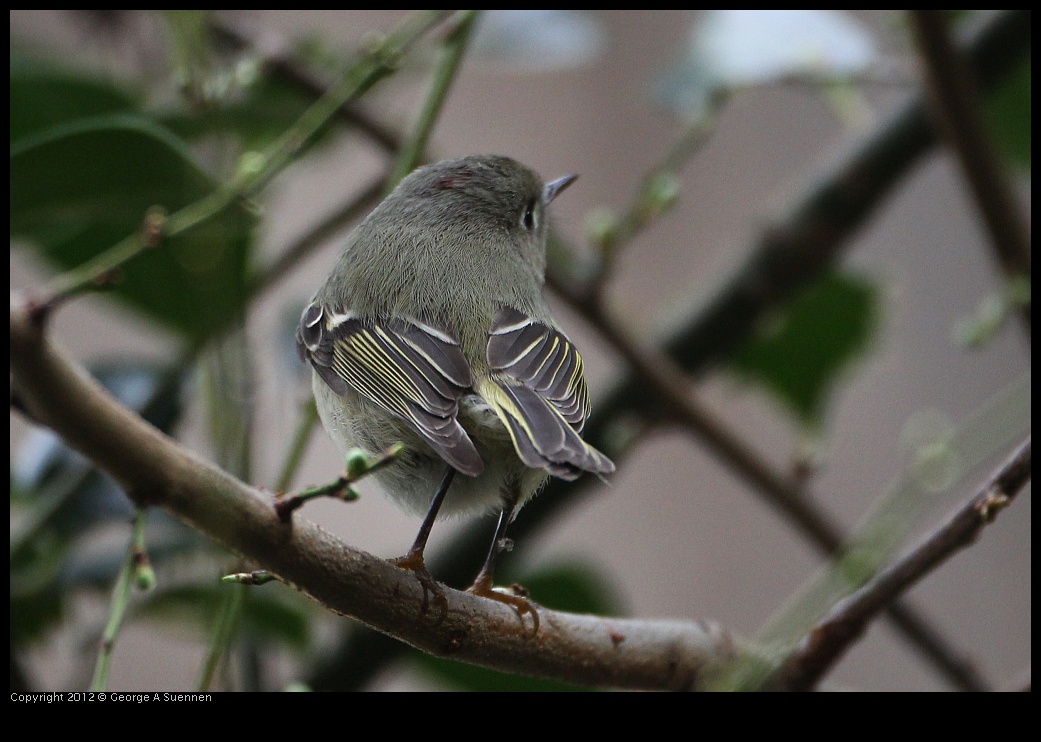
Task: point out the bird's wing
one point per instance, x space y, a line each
540 395
410 369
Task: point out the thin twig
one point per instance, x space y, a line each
305 426
959 116
105 274
829 639
105 270
811 233
655 195
379 62
661 376
230 404
806 240
935 466
357 467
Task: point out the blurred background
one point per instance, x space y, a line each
676 532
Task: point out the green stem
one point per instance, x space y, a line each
339 488
223 631
230 404
118 606
454 49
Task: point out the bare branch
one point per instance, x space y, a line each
959 117
660 375
829 639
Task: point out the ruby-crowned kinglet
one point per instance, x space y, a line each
432 330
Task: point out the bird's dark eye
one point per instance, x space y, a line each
529 219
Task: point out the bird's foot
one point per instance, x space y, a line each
414 563
514 596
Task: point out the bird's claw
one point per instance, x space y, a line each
514 596
414 563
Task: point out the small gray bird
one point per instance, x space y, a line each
432 330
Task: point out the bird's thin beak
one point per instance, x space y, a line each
554 187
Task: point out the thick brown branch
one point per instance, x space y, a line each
828 641
155 470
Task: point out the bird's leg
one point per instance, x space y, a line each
413 560
483 586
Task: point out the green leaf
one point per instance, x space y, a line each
79 188
799 357
1008 110
43 96
572 587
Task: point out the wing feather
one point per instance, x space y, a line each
540 394
410 369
